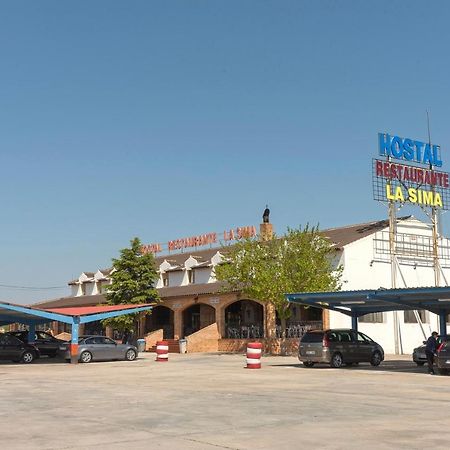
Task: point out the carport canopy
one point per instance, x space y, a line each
359 303
74 316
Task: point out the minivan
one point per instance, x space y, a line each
338 347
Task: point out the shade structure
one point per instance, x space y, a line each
32 316
360 302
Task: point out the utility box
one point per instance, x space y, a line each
183 345
141 345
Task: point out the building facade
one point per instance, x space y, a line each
195 306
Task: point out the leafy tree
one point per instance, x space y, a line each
133 280
300 261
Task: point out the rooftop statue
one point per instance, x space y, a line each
266 215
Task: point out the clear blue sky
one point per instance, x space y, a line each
168 119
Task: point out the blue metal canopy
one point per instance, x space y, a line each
11 313
359 303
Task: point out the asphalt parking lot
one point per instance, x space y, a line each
209 401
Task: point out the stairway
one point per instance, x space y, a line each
174 346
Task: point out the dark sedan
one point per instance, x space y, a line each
419 356
47 344
442 359
14 349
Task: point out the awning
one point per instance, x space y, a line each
351 303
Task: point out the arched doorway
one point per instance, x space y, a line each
244 319
197 317
161 317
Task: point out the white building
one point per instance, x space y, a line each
367 265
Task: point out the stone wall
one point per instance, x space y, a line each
151 339
204 340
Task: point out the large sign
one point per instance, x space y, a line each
201 240
408 174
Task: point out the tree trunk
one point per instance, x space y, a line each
283 336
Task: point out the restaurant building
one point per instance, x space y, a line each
194 305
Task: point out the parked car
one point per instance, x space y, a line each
101 348
47 344
338 347
442 359
419 356
13 349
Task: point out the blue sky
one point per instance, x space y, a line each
169 119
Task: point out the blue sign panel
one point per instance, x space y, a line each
409 150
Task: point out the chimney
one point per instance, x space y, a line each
266 228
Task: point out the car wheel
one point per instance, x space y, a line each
130 355
376 359
86 357
27 357
308 363
337 361
420 363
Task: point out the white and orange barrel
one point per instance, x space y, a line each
162 351
254 353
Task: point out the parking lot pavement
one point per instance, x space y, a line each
209 401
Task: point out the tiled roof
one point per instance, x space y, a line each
339 236
166 292
346 235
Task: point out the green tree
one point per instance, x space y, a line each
133 280
300 261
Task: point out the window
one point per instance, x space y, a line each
410 316
372 318
345 336
83 289
165 279
363 338
191 276
312 337
99 287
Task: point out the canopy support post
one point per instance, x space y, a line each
31 332
354 321
443 323
74 341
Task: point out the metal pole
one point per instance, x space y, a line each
354 322
74 341
443 323
392 235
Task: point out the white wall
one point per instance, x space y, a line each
202 275
363 270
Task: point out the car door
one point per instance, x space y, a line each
105 348
46 343
112 349
12 347
347 343
364 347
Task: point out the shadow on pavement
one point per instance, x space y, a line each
386 366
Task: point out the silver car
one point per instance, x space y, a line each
101 348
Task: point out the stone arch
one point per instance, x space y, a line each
197 316
244 319
161 317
